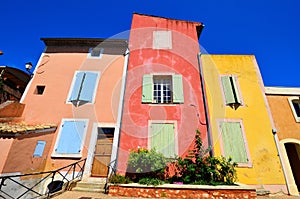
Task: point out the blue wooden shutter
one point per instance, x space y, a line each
71 135
88 87
77 86
163 139
147 90
39 148
233 141
177 88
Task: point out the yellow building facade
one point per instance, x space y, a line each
241 125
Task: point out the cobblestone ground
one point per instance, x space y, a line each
86 195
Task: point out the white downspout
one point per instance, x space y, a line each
115 148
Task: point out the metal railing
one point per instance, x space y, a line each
111 171
32 185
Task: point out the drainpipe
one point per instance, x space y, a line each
116 143
274 131
209 135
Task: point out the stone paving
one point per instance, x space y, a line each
90 195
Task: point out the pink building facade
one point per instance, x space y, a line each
76 87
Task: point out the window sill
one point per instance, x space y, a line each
153 104
71 156
245 165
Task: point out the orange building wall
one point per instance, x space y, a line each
5 147
20 157
283 117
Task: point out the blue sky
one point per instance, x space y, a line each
269 29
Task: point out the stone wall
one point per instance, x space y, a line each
183 191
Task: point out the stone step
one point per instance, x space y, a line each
87 189
95 185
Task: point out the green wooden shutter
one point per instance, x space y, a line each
233 141
147 93
227 88
178 96
163 139
235 89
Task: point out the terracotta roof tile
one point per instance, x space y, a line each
10 129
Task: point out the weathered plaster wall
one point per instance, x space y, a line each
181 59
20 157
5 147
265 168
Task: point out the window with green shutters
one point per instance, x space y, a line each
162 89
230 89
163 138
233 141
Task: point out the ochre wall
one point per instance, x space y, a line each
20 157
5 147
266 168
283 117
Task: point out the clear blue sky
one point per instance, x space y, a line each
269 29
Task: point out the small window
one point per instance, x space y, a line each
96 52
39 90
295 106
84 87
162 40
231 91
162 89
70 139
39 148
163 139
233 142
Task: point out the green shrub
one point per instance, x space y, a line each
199 168
119 179
145 163
151 181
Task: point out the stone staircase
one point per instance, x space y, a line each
90 185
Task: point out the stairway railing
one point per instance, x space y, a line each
24 185
110 172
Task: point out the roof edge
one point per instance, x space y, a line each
272 90
200 23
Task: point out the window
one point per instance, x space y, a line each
162 40
83 87
39 90
295 106
230 89
233 142
162 138
96 53
162 89
70 139
39 148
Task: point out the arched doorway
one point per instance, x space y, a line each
293 153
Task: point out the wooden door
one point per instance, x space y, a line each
102 152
